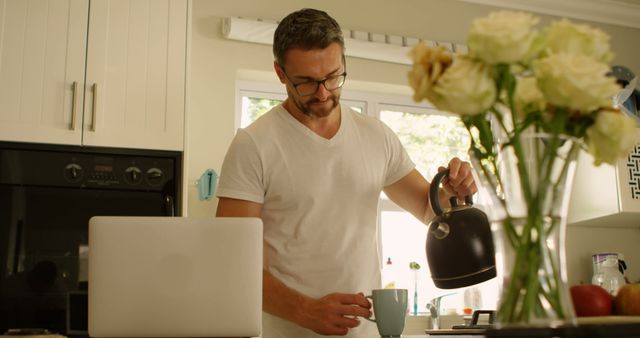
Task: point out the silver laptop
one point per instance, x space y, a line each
175 277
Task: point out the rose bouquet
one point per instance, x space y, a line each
530 100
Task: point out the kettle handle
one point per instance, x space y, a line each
433 194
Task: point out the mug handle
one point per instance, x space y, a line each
369 319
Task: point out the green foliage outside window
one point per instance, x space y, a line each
430 139
256 107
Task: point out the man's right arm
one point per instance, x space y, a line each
328 315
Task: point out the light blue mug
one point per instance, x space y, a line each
390 310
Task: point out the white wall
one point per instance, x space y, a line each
216 63
583 241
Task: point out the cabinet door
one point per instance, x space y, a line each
136 57
42 53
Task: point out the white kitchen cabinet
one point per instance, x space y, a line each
101 72
42 56
606 196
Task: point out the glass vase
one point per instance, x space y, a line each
525 186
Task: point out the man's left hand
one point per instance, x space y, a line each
460 180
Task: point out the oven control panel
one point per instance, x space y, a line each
90 170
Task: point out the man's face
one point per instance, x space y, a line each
303 66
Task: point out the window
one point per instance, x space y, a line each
431 138
254 107
256 100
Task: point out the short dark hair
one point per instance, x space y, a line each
306 29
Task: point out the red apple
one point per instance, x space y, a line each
627 301
591 300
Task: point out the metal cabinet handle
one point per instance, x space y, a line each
74 107
94 107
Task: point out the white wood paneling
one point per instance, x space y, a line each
176 71
12 41
136 55
42 44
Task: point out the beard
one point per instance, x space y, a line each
315 107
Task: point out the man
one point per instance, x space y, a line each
313 170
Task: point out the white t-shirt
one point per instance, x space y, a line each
320 200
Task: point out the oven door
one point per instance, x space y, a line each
43 236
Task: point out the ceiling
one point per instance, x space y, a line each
624 13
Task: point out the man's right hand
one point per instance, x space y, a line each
334 314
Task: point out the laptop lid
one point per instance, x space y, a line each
175 277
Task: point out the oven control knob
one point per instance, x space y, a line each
73 172
133 175
155 176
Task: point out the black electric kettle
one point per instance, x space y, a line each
459 243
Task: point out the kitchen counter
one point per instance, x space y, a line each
441 336
622 330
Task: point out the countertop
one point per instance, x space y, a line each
592 330
441 336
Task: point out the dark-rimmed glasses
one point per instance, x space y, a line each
310 87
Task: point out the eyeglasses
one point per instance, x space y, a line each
310 87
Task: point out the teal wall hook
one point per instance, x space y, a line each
207 185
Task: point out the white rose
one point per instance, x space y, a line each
565 36
612 136
428 65
465 88
504 37
575 81
528 96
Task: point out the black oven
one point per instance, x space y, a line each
47 195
